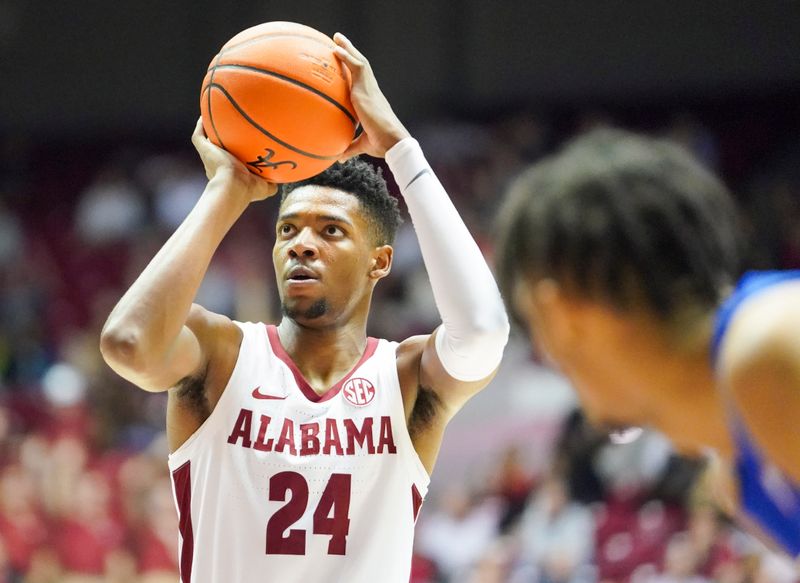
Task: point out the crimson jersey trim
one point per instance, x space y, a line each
416 501
305 387
182 480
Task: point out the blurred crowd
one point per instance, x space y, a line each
600 512
84 487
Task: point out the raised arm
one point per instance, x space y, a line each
154 337
462 355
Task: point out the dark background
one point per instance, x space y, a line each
95 67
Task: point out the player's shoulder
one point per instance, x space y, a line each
200 316
762 334
411 348
408 355
212 329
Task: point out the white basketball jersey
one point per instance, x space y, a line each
280 484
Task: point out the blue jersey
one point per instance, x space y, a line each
768 498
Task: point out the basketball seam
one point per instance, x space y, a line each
262 130
325 96
211 112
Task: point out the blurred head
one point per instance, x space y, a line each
18 492
681 557
120 567
333 242
91 497
553 495
615 234
457 502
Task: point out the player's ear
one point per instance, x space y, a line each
381 261
550 314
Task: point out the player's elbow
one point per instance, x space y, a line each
490 339
486 334
128 354
490 327
121 347
475 353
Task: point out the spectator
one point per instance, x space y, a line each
557 535
111 209
456 535
23 527
87 534
681 562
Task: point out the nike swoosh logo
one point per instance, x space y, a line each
257 394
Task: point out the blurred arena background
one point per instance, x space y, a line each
96 168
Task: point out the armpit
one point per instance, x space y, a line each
191 393
426 406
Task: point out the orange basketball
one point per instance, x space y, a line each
278 99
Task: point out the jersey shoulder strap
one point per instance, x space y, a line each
751 284
768 497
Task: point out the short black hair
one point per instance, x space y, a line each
366 183
623 218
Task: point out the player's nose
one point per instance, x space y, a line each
303 245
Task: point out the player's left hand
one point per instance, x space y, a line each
382 128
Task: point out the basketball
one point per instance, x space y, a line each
277 98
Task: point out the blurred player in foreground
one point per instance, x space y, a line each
302 452
620 253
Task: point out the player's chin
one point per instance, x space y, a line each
305 309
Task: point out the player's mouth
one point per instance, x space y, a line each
301 275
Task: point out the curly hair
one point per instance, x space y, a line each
362 180
626 219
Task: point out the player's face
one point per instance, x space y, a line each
324 256
592 346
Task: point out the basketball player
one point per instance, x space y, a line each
302 452
620 253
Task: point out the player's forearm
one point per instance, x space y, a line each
150 316
475 322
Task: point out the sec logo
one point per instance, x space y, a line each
359 391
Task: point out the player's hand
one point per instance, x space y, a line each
382 128
219 163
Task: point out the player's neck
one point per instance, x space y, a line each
324 355
689 407
697 420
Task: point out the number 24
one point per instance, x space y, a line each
330 517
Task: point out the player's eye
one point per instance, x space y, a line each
333 231
285 229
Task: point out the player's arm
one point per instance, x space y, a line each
761 372
155 337
463 354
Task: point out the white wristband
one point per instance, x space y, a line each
475 326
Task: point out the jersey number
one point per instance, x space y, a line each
330 517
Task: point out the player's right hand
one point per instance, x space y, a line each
382 128
219 163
